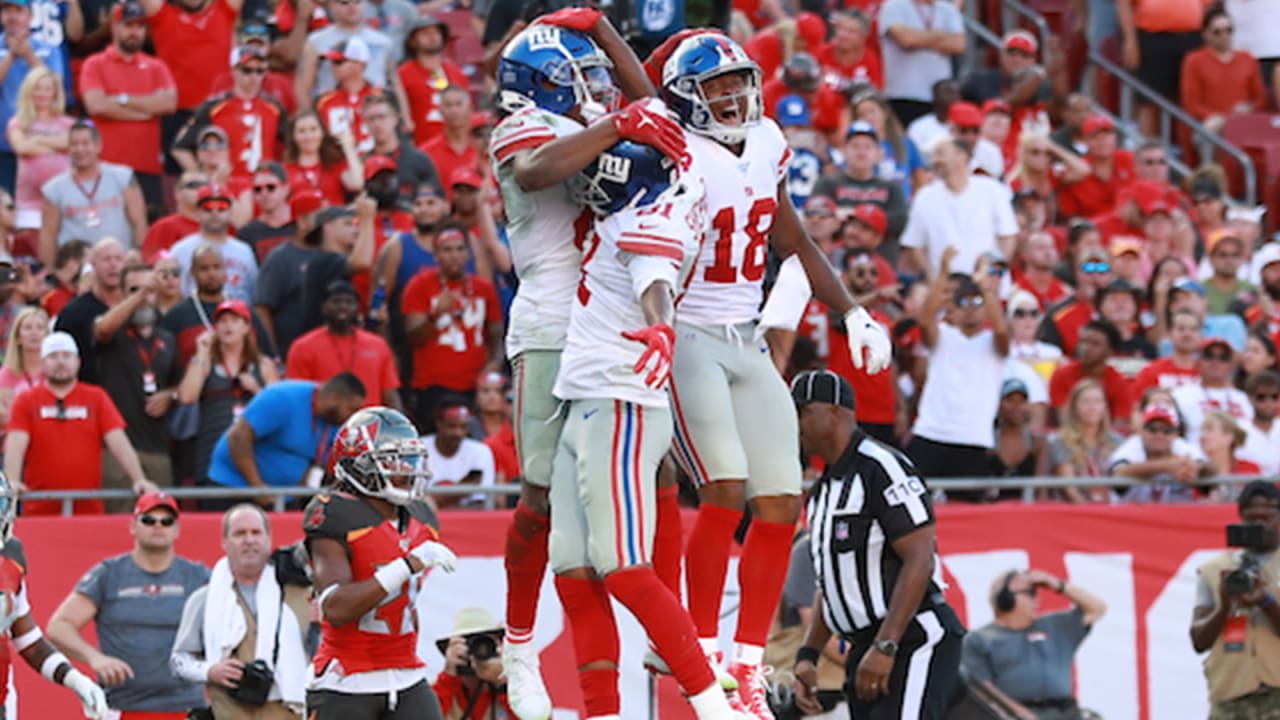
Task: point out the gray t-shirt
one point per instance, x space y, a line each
1027 665
915 71
280 289
393 17
137 620
375 71
92 211
237 257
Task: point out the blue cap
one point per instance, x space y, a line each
861 127
1011 386
1189 285
793 111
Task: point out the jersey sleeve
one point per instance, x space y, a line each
523 130
329 516
108 415
91 77
899 496
92 584
20 413
417 296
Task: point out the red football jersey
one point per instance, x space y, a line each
340 110
876 397
386 637
455 356
253 130
422 88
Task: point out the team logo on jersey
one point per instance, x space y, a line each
842 531
315 515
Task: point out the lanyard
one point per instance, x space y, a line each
88 194
204 317
926 19
321 428
147 354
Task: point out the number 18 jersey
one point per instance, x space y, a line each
742 203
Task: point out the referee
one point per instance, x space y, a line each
879 582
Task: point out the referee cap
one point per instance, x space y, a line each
821 386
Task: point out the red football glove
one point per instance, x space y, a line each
658 58
638 122
575 18
660 342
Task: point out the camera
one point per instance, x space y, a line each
255 684
480 648
1253 538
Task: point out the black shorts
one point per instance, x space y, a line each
926 670
416 702
1160 65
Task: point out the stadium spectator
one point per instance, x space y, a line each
472 680
278 297
1039 257
1023 314
140 374
848 59
1118 304
864 229
450 148
1214 391
340 346
341 109
274 223
1084 442
490 257
23 50
1155 36
189 319
925 130
1027 655
454 322
425 74
244 615
412 167
823 103
92 200
64 280
918 40
254 36
1259 354
1266 312
62 413
213 157
135 603
80 316
492 425
1224 288
1210 208
226 373
775 46
37 132
1098 342
964 121
345 243
958 404
1113 168
316 159
1217 80
284 432
183 221
1262 444
901 161
393 17
168 283
1061 325
127 92
859 184
932 228
1251 20
1241 684
997 123
1156 455
1221 439
1017 450
213 205
22 366
1021 83
253 121
313 77
1077 108
1182 366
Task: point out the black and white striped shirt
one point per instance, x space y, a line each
870 497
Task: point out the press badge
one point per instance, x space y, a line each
1235 632
149 382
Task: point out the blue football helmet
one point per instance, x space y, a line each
555 69
625 176
697 60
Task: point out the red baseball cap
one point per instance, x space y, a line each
872 216
466 176
155 499
233 306
1160 411
304 199
1021 40
813 29
996 105
375 164
965 115
212 191
1215 340
1097 124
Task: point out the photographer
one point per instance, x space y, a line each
1237 618
472 682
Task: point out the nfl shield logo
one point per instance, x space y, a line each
842 531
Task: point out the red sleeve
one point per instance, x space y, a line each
296 365
20 413
447 688
493 308
91 77
284 16
1192 95
1145 378
163 77
109 418
390 377
164 17
417 296
1059 387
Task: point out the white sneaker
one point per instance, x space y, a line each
525 692
727 681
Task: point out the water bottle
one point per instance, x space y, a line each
375 304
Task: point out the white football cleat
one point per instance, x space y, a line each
525 691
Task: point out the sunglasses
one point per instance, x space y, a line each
133 289
216 206
974 301
269 187
1264 397
1095 268
252 70
1026 313
213 145
1161 429
194 184
1222 31
1029 592
152 520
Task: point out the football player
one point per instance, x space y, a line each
367 666
735 429
553 80
16 620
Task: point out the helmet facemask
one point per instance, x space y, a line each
396 472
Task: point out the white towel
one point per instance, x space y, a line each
225 626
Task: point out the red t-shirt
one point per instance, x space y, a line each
422 89
826 104
165 232
876 398
1164 373
195 45
135 143
320 355
1094 196
326 179
1068 319
340 110
253 129
447 159
85 417
866 69
1057 292
455 356
56 299
1114 386
276 85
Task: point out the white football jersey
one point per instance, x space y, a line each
626 252
545 242
742 203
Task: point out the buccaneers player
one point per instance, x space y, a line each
368 552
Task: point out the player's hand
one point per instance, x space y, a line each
575 18
864 333
807 688
111 671
92 699
433 554
646 123
226 673
660 341
872 680
658 58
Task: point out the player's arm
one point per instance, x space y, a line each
557 160
45 659
341 600
240 440
789 237
76 611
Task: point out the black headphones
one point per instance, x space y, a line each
1005 599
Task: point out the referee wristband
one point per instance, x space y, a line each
392 576
808 653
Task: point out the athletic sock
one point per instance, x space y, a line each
762 570
667 624
707 562
667 538
595 640
526 560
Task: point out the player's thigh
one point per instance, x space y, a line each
537 424
765 416
329 705
706 437
567 543
418 702
619 446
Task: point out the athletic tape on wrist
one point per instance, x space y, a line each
27 639
392 576
50 666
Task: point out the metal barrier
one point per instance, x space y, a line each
282 495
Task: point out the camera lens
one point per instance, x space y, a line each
1239 582
481 647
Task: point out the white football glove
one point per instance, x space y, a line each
8 611
434 554
866 333
91 696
